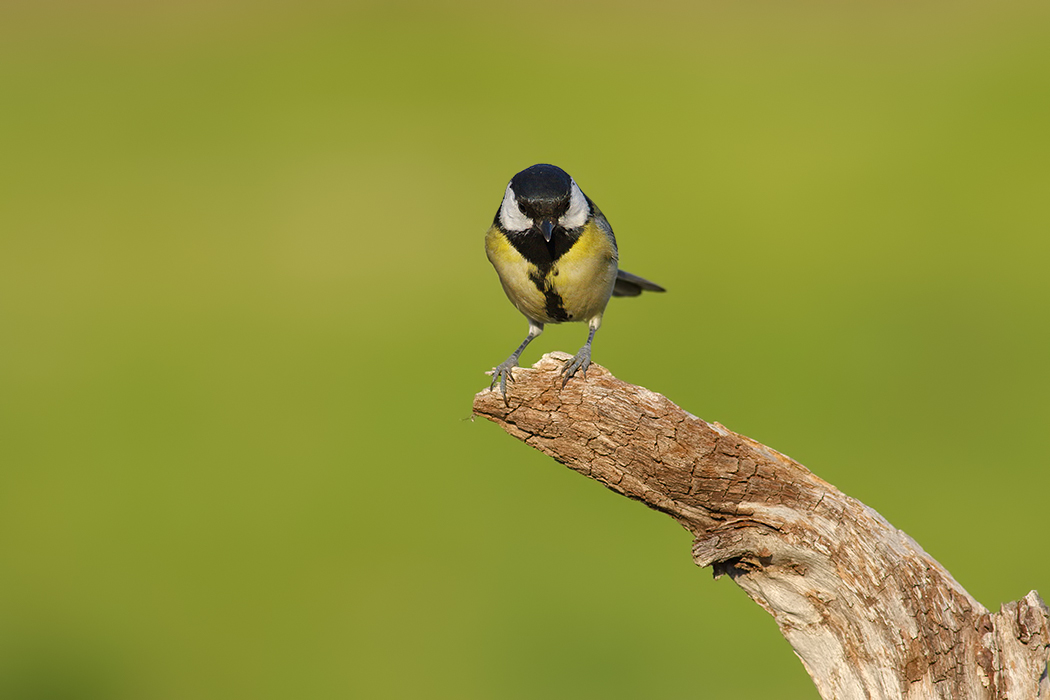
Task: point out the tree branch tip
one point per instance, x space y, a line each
527 383
840 581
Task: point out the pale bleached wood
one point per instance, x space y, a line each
870 614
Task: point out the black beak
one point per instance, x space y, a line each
547 228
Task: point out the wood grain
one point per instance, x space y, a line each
868 612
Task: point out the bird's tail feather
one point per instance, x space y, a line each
628 285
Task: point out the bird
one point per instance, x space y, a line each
556 257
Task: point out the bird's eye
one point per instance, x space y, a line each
511 217
578 210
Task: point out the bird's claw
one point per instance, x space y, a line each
501 373
581 361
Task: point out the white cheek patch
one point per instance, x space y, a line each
578 211
510 216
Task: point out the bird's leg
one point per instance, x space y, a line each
502 371
582 360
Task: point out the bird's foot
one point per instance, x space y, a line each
581 361
501 373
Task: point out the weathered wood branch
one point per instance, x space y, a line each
870 614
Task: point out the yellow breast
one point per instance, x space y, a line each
579 282
584 276
515 274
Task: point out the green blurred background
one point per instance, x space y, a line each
244 308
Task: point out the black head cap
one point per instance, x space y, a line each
542 191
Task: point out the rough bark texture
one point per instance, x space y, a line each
870 614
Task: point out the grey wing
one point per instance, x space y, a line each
628 285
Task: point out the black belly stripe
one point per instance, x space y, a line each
555 307
553 303
543 255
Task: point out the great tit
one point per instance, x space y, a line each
556 257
